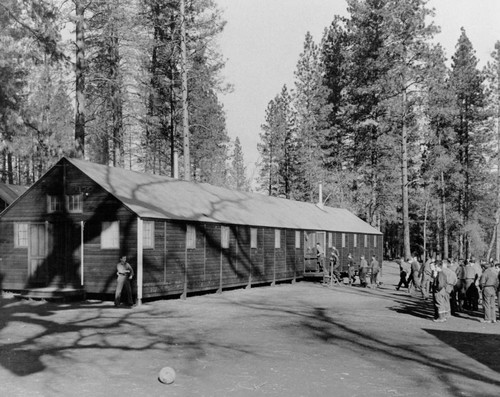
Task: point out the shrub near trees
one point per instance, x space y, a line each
395 135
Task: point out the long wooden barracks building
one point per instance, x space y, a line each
69 229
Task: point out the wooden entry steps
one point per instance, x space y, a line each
52 293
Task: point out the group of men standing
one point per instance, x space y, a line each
454 285
363 271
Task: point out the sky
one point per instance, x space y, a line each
263 39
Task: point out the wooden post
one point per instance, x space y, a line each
274 259
220 265
140 272
82 244
184 293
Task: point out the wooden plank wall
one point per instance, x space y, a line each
210 267
13 261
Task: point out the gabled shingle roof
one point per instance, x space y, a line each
9 193
161 197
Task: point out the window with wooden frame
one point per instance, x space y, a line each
343 240
54 203
375 241
74 203
253 237
297 239
355 240
21 235
110 235
224 238
330 240
366 240
190 237
148 234
277 238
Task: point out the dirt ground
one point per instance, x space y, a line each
299 339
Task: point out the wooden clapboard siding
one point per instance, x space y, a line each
195 265
213 256
257 258
13 261
244 260
291 253
269 254
175 258
280 258
154 258
100 264
230 261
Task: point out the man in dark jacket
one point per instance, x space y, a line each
404 271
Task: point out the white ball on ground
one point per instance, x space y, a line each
166 375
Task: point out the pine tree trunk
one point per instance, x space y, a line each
425 229
80 80
10 169
185 118
445 219
404 182
497 232
116 101
494 235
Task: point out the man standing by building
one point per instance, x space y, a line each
351 270
124 273
363 271
320 256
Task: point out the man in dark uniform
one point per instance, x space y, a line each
469 279
404 271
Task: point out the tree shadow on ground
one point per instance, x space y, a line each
425 309
326 325
479 346
37 332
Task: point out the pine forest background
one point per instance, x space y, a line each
403 137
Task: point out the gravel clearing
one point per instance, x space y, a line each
301 339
